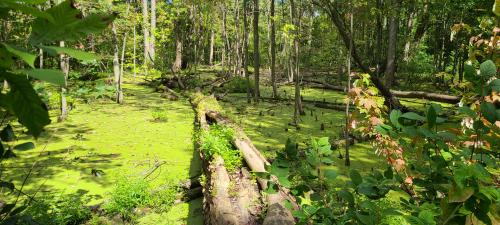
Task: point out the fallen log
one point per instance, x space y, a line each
220 203
400 94
277 212
428 96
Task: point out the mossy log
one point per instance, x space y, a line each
229 198
277 212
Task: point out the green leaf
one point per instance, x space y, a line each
431 116
26 9
26 104
388 173
7 134
355 177
67 25
488 69
394 117
2 150
495 85
470 74
331 174
457 194
347 196
21 54
466 110
77 54
25 146
489 111
6 58
52 76
413 116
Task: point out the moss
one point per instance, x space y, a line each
113 140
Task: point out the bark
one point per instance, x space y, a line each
347 121
378 55
135 52
152 51
245 48
176 67
391 50
116 66
212 43
298 104
256 52
228 198
277 213
64 64
226 55
41 58
409 28
273 51
145 30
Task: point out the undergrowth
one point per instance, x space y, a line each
217 141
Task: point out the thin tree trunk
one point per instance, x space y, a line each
347 121
273 51
391 51
40 54
64 64
212 43
145 31
407 48
152 49
298 103
245 49
256 52
135 52
116 66
378 55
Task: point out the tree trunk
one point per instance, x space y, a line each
177 66
152 51
347 121
391 51
245 49
298 104
135 52
212 43
116 66
332 11
64 64
409 28
145 30
273 51
256 52
41 58
378 55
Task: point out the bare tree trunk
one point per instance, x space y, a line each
145 30
256 53
410 23
298 103
40 54
378 55
391 51
135 52
212 43
245 49
273 51
116 66
178 53
237 55
347 121
64 64
152 51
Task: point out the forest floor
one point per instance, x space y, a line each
102 142
114 141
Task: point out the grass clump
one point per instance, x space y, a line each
62 209
126 196
159 115
239 85
217 141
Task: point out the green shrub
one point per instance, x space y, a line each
163 198
64 209
238 85
160 115
128 194
217 141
